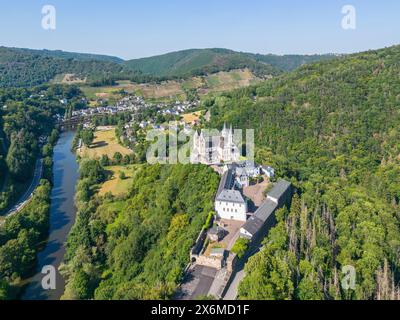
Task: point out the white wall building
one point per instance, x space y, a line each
268 171
212 148
230 205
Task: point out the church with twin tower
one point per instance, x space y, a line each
213 148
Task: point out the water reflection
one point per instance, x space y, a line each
62 217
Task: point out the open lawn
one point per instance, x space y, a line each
114 184
191 118
104 143
110 93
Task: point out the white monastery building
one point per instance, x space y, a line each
209 148
229 202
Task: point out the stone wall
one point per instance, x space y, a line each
212 262
198 246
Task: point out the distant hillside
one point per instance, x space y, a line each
27 67
195 62
203 61
68 55
292 61
24 68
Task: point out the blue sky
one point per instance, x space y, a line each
133 28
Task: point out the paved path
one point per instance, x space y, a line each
232 292
197 282
218 284
28 193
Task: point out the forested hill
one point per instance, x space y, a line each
203 61
26 68
67 55
334 129
196 62
291 62
136 247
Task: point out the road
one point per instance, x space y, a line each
28 193
232 292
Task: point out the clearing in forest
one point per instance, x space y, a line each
104 143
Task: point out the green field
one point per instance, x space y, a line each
114 184
104 143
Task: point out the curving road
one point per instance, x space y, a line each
28 193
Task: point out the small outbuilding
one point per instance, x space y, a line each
216 234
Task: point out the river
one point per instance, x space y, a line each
62 217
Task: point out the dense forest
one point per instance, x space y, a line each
291 62
333 128
26 67
137 246
70 55
196 62
22 233
27 115
20 238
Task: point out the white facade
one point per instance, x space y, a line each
242 181
246 234
214 149
269 172
274 199
230 205
231 211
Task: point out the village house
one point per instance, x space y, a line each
216 233
268 171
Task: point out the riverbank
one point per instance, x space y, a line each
24 231
62 217
21 237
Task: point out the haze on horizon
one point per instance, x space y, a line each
136 29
